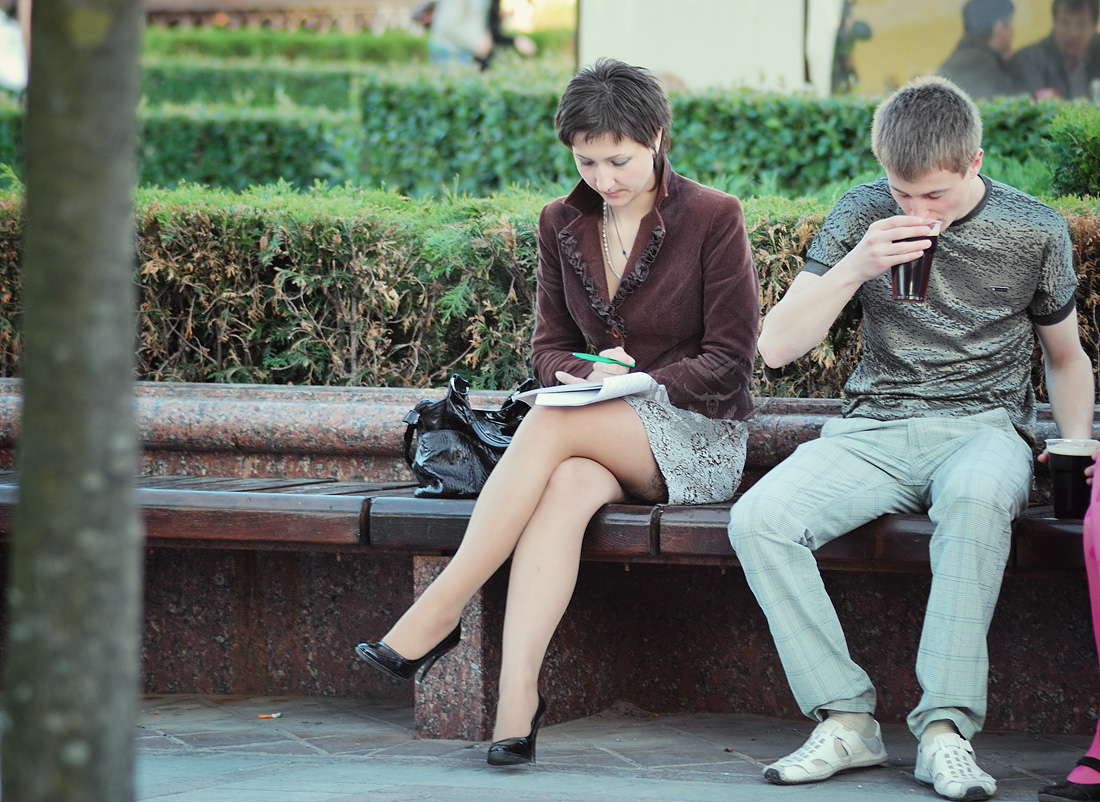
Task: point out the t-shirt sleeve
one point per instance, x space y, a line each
1054 295
842 229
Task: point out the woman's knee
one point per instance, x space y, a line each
581 483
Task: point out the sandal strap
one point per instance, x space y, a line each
1089 762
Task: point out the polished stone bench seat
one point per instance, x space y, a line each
281 531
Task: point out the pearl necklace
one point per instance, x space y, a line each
607 250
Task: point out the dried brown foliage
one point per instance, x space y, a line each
369 288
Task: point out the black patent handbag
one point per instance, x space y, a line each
457 446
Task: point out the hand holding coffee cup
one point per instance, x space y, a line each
1068 458
910 279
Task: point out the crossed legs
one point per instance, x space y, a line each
561 467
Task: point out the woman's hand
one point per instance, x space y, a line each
600 370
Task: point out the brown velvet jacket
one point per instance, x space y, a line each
687 309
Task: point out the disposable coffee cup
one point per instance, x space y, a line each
910 279
1068 459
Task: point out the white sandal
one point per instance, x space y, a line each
948 765
818 758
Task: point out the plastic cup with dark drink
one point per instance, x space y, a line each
1068 459
910 279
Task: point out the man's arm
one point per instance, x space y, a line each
1069 377
803 316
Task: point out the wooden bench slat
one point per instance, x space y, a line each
621 531
263 512
258 484
423 524
417 524
695 532
198 524
1046 543
354 488
208 517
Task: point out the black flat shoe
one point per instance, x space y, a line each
383 657
514 751
1067 791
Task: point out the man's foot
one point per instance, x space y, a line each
831 747
946 762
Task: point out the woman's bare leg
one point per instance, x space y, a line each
609 433
542 579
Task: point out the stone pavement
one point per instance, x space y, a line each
218 749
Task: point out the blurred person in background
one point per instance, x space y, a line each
979 65
1067 62
467 32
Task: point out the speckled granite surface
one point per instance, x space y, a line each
666 638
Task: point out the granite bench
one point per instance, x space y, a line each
282 530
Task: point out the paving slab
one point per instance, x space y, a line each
218 748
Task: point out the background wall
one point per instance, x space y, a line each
722 43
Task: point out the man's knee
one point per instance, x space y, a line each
758 514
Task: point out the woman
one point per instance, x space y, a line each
650 269
1083 782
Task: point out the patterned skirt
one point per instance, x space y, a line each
701 459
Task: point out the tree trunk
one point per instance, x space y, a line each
73 651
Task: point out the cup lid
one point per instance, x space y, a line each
1073 446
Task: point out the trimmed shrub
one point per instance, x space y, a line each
237 148
349 286
394 45
1075 147
250 83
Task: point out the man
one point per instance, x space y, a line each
1065 64
979 64
939 417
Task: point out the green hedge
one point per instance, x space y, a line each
424 132
1075 143
237 148
351 286
394 45
391 46
183 81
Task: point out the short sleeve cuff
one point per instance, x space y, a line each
815 267
1055 317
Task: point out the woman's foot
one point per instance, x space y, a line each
419 630
516 751
515 710
385 658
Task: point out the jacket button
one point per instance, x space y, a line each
616 334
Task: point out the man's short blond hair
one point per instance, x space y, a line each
927 125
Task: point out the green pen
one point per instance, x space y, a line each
605 359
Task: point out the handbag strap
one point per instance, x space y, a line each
412 417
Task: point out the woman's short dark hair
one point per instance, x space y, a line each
616 99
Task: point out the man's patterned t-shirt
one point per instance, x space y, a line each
967 348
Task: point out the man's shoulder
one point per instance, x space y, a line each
1007 199
872 197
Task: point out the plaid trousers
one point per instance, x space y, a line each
971 474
